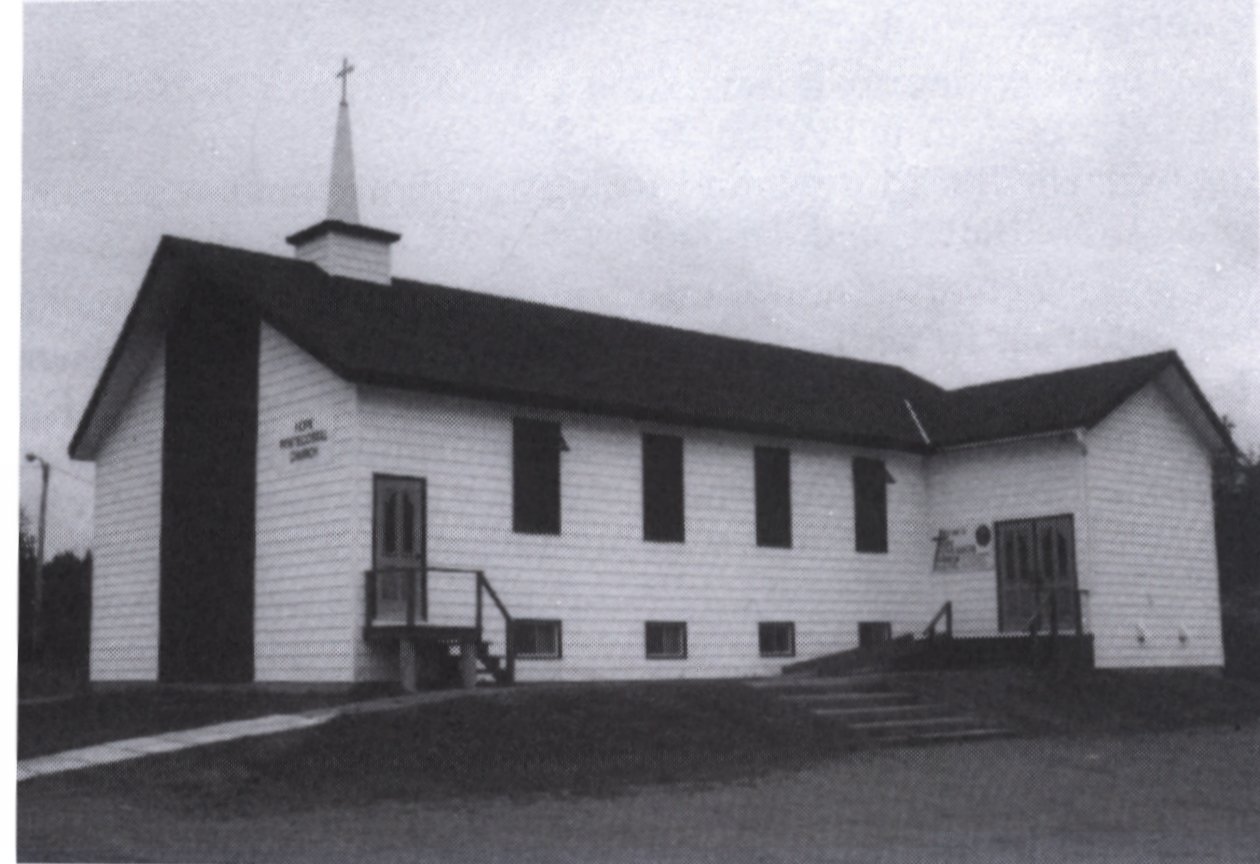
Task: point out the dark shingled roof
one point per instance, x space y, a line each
416 335
1067 399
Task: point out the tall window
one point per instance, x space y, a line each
663 488
870 504
536 446
773 471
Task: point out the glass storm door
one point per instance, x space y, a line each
1036 572
398 529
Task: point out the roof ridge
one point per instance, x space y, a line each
1166 354
403 283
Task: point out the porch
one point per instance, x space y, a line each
445 621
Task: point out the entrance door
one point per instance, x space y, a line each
1036 572
399 547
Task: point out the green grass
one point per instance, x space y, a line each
592 740
98 717
1099 701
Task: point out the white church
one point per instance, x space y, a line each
311 470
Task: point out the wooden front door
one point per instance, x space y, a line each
400 547
1036 573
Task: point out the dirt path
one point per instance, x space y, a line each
1188 796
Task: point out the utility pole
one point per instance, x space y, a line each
38 611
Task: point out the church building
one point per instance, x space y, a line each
311 470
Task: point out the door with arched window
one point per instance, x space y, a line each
1036 574
399 548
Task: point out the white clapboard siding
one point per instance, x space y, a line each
356 257
994 483
1153 553
127 525
604 581
306 576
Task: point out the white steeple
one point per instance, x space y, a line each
340 244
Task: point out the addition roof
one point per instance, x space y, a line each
415 335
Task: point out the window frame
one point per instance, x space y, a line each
774 523
870 489
764 626
536 494
518 623
666 455
647 647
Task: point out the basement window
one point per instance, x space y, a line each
665 640
777 638
536 639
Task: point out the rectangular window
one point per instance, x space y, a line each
536 640
870 504
774 496
663 488
665 640
777 638
536 446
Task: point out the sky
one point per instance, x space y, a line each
972 190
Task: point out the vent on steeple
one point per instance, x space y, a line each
340 244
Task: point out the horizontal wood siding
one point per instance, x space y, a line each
307 572
355 257
603 580
126 548
1153 549
984 485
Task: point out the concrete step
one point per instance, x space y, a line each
806 684
852 699
876 713
917 726
985 733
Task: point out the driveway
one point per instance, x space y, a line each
1186 796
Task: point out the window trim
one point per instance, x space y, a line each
539 622
664 537
763 626
763 460
520 525
647 627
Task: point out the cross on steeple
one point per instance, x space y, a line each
344 75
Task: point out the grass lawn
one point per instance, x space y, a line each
592 740
1040 702
94 718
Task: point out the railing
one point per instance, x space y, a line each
509 647
946 612
403 597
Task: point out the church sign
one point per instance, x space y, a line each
305 441
963 549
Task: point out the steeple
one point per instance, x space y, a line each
343 198
340 244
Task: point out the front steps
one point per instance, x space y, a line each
873 706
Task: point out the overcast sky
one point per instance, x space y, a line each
972 190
